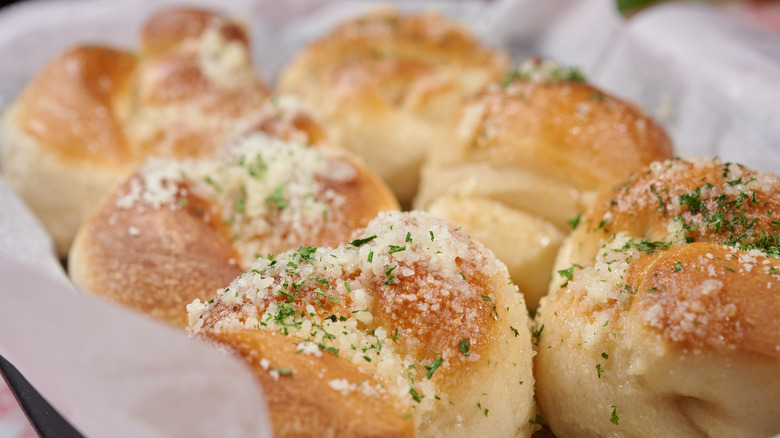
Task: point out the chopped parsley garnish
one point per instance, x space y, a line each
536 334
284 371
361 242
433 367
568 273
465 346
394 249
575 221
515 331
257 168
649 246
693 201
277 199
306 251
416 395
390 277
615 417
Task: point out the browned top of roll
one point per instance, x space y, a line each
698 240
390 59
177 97
72 105
178 230
709 295
560 126
434 293
410 300
155 260
427 34
168 28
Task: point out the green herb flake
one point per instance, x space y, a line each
515 331
614 419
284 372
465 346
390 277
394 249
568 274
361 242
575 221
277 198
536 334
433 367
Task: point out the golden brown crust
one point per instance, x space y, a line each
294 408
667 290
70 107
94 113
700 226
157 247
197 76
154 261
706 295
537 146
410 300
385 82
568 130
167 29
431 319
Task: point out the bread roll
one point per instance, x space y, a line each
180 229
529 154
411 320
93 113
664 318
384 83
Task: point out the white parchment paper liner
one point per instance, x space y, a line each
712 81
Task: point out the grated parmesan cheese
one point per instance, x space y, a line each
371 301
270 192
